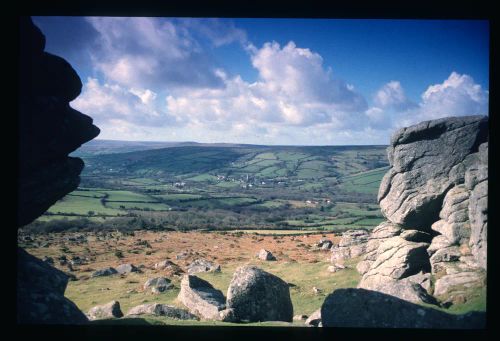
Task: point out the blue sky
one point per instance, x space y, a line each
271 81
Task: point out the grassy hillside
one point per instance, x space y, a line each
223 186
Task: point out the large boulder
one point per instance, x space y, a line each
421 158
256 295
156 309
360 308
396 260
109 310
201 298
40 293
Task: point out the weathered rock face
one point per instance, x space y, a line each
476 180
352 244
422 158
435 200
360 308
157 309
256 295
40 293
201 298
49 130
110 310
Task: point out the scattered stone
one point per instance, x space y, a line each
256 295
202 265
109 310
300 317
265 255
314 320
157 285
227 315
201 298
157 309
104 272
182 255
317 291
48 260
127 268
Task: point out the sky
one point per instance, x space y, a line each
271 81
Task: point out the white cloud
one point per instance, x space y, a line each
293 89
108 103
392 95
219 33
152 52
458 95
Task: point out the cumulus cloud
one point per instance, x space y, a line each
152 52
160 82
113 104
219 33
293 89
392 95
458 95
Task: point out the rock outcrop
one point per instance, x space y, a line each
49 130
201 298
423 161
360 308
434 197
109 310
351 245
256 295
40 293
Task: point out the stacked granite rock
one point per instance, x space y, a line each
434 197
49 130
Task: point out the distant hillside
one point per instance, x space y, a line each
199 162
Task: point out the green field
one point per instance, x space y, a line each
81 205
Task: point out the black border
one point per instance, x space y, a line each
362 9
